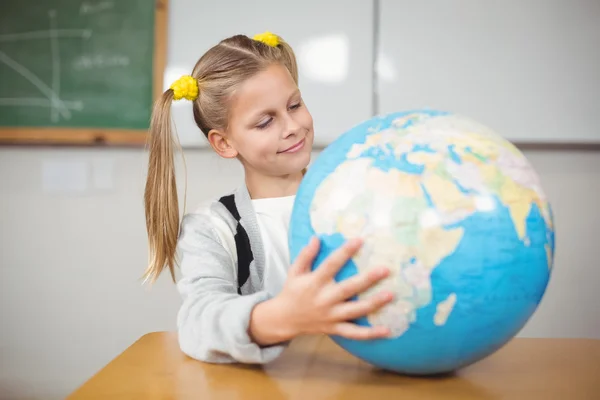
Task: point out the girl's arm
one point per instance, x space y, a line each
216 324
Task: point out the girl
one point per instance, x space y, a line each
242 301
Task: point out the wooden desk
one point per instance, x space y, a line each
315 368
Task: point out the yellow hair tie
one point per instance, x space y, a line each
268 38
185 87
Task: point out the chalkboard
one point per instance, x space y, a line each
80 71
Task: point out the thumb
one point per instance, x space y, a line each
305 258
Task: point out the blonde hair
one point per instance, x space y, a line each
218 73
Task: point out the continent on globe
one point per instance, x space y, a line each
478 160
393 235
443 309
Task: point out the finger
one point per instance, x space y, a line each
330 267
305 258
357 284
357 332
355 309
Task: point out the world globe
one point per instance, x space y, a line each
458 215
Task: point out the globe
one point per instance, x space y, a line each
458 215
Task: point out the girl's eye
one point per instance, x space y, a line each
295 106
265 124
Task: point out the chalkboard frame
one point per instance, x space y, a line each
101 136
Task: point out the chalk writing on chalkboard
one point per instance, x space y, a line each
49 91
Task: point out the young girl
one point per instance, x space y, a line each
242 301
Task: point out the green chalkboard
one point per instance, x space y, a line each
89 64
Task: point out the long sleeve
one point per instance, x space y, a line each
213 320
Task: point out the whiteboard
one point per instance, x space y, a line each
529 69
333 42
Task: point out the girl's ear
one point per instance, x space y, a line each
220 144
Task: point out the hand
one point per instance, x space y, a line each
312 302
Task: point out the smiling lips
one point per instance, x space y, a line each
298 146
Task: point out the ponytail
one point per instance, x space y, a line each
160 196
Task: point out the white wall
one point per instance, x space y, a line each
69 267
70 293
529 69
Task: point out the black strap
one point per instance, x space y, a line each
242 243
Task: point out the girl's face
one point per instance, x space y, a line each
270 128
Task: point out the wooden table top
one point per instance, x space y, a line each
314 367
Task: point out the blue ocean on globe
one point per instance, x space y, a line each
459 216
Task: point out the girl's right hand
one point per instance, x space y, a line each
313 302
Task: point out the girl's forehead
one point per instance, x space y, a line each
267 88
273 79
